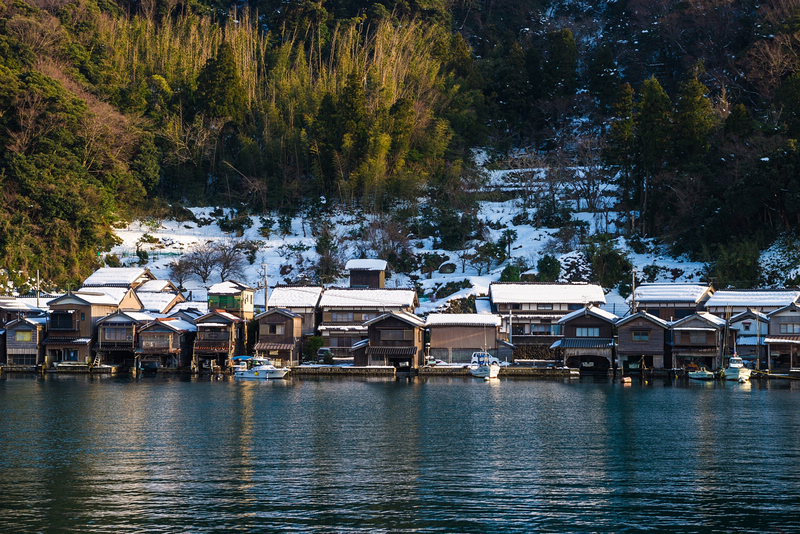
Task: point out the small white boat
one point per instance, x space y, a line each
701 374
259 368
484 365
736 371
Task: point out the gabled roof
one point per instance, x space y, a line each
366 265
228 287
280 311
215 316
753 298
192 307
542 293
404 316
753 314
295 296
713 321
594 311
463 319
157 286
34 322
157 302
791 308
118 277
672 293
178 325
646 316
367 298
128 317
91 298
13 304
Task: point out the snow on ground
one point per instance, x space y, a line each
173 238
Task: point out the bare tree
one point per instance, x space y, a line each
203 260
230 258
180 270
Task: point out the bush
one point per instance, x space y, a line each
609 264
510 274
549 268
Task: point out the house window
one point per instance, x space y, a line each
697 338
573 307
23 336
61 321
395 335
583 331
641 335
790 328
746 327
116 334
83 316
342 317
517 329
276 329
368 316
544 306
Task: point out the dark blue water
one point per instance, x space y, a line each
88 454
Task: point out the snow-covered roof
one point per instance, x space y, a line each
179 325
118 276
295 296
228 287
366 265
14 304
194 307
590 310
750 314
367 298
409 318
94 297
718 322
753 298
483 305
463 319
644 315
218 313
688 293
154 286
749 341
132 316
282 311
30 321
156 302
535 293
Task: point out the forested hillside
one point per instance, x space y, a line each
113 110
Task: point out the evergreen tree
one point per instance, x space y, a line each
620 146
560 71
604 76
220 93
694 121
653 136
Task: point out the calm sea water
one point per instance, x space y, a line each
89 454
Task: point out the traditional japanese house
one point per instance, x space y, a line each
189 311
219 339
13 308
127 277
699 340
588 340
642 343
117 337
455 336
73 321
279 336
670 302
530 312
232 297
166 343
396 339
159 296
300 300
749 331
368 273
783 339
24 344
345 312
729 302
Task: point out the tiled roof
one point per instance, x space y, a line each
535 293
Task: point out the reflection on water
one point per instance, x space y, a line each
103 454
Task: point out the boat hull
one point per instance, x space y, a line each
485 371
736 375
262 373
701 375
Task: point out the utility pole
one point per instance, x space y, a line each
266 298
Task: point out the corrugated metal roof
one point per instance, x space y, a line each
509 292
294 297
463 319
366 265
392 351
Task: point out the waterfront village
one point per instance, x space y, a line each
126 320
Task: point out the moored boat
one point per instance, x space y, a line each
484 365
735 371
701 374
259 368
